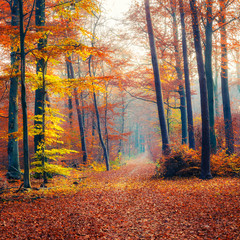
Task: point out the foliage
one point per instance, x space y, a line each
98 167
186 162
50 169
180 158
223 164
125 204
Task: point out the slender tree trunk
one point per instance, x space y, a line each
181 90
40 92
23 100
205 161
70 105
80 121
100 133
13 150
105 152
121 149
216 89
238 68
224 79
209 76
137 139
106 122
81 127
187 80
158 88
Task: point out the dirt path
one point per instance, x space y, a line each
128 204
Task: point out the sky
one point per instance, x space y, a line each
116 8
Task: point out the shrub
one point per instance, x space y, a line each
181 162
186 162
223 164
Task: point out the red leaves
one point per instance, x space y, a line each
128 204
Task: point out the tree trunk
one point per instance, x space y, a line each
205 160
216 89
13 150
224 79
40 92
80 121
100 133
23 100
238 68
121 149
106 122
209 76
158 88
70 105
179 75
81 127
187 80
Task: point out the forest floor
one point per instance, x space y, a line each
127 204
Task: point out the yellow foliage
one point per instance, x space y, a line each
51 169
98 167
223 164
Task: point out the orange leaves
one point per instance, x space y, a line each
128 204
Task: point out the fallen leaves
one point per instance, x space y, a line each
128 204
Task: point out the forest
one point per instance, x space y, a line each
119 125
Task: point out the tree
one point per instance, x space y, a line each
187 80
23 98
13 150
158 89
209 75
229 136
79 114
179 74
40 93
205 158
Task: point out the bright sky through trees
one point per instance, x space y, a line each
116 8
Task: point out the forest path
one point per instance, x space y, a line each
128 204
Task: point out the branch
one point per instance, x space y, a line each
26 29
233 19
143 99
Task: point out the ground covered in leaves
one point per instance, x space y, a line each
127 204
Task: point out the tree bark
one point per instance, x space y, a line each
79 114
191 137
205 159
158 88
229 136
100 133
13 149
209 76
181 90
23 100
40 92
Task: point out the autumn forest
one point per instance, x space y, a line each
119 124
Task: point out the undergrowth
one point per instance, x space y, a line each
185 162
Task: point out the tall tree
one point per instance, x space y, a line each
209 75
23 98
13 150
205 159
105 152
158 89
41 68
79 114
187 80
40 93
181 90
229 136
